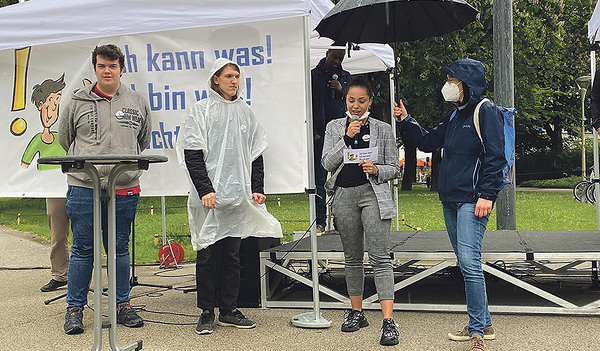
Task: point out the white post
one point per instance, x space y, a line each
164 219
311 319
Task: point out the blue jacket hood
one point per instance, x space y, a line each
472 73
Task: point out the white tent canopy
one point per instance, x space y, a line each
594 25
53 21
43 22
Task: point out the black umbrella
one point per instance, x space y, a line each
394 21
390 21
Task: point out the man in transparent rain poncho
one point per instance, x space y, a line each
222 145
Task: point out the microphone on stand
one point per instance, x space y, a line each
333 77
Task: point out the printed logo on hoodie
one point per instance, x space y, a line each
129 118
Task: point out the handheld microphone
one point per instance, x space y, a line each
333 77
355 118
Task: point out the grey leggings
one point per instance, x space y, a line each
357 219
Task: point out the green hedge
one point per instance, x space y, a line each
565 183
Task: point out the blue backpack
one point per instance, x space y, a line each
508 115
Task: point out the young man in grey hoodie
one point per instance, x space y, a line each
101 119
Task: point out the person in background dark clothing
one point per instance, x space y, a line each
595 96
329 80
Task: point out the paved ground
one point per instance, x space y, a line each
29 324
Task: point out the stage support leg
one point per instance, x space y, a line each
595 281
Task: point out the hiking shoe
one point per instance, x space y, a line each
205 322
389 332
320 229
236 319
52 285
354 320
463 335
477 343
127 316
74 320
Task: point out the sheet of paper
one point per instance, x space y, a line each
357 155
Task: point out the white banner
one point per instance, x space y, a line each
170 69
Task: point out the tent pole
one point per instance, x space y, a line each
312 319
596 166
163 212
393 120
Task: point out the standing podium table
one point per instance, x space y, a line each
87 164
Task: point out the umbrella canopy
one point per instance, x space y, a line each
389 21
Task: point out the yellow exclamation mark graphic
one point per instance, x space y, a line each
21 65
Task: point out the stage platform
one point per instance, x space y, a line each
520 258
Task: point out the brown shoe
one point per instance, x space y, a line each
463 335
477 343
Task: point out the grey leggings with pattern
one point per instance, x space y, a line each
358 221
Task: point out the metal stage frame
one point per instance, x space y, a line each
547 251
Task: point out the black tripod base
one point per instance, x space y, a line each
134 282
49 301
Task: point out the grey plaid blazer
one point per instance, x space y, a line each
387 160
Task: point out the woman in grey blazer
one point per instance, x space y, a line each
362 201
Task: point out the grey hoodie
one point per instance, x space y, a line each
92 125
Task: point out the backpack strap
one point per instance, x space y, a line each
476 120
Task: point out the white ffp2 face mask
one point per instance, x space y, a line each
451 92
361 118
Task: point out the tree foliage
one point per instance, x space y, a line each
550 52
8 2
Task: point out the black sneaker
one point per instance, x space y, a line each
52 285
354 320
74 320
236 319
389 333
205 322
127 316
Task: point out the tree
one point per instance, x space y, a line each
8 2
550 51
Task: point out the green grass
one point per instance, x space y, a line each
536 210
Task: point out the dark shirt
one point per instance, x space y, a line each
352 174
326 107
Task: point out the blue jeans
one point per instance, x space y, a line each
465 231
80 209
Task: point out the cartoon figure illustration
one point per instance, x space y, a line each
46 97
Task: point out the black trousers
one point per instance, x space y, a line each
218 275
